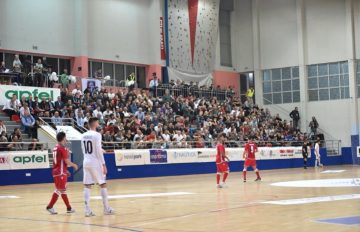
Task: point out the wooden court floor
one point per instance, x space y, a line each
196 204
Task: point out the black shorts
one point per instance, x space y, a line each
305 155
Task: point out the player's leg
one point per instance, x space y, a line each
100 179
54 198
62 190
225 173
218 176
244 172
88 182
257 173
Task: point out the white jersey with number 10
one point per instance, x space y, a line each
92 150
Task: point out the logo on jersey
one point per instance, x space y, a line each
158 156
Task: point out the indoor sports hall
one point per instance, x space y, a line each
179 115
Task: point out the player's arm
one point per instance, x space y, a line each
245 153
100 153
71 164
225 157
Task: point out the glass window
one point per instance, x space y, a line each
64 64
267 87
323 82
334 68
225 37
313 83
277 98
323 69
266 75
344 67
295 72
312 70
267 99
276 74
129 69
286 85
296 84
323 94
119 75
335 93
9 59
94 67
287 97
53 64
141 76
109 71
276 86
344 79
334 81
296 96
345 92
313 95
286 73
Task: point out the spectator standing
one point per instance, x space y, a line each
17 65
39 78
64 79
2 67
154 83
314 125
295 116
2 127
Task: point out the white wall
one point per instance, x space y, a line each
102 30
278 33
46 24
325 30
126 28
357 27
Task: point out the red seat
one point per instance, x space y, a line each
15 118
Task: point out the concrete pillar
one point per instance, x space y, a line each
257 53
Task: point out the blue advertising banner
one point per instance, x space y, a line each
158 156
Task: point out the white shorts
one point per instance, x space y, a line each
94 175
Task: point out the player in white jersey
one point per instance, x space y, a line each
317 153
94 166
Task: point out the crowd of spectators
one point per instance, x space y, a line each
139 119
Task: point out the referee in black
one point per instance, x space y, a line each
305 152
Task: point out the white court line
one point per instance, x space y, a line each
333 171
9 197
313 199
144 195
351 182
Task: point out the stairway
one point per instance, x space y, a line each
10 126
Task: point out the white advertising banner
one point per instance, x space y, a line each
24 160
7 91
182 155
162 156
90 83
71 132
130 157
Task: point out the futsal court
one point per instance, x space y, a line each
193 203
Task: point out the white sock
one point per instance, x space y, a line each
87 199
104 195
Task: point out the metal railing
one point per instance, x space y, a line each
24 146
186 91
62 122
333 147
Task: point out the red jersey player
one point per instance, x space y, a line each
249 157
60 173
222 166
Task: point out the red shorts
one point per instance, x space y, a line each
222 167
60 182
250 163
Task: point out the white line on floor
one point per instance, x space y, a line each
313 199
332 171
9 197
144 195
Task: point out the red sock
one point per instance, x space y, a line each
244 175
218 178
258 174
66 200
53 200
225 176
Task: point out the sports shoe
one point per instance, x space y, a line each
258 179
71 210
219 186
89 214
224 185
109 211
51 211
244 180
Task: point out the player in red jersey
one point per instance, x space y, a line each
222 166
60 173
249 157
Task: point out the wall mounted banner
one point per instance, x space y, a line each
7 91
162 39
91 83
24 160
171 156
